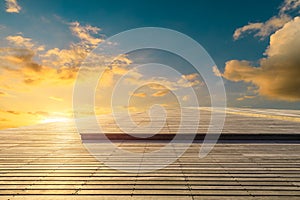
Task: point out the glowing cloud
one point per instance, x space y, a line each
140 94
85 33
161 93
12 6
277 75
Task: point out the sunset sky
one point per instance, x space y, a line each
255 44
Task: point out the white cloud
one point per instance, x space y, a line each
12 6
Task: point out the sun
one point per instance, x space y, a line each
54 119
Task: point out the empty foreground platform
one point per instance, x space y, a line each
49 161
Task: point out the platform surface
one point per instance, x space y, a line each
49 161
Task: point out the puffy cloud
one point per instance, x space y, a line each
77 52
12 6
264 29
43 79
71 57
22 42
18 64
277 75
18 58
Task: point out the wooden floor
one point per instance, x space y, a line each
49 162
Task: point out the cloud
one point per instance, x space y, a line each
161 83
38 76
20 41
19 67
71 57
115 70
155 86
245 97
289 5
13 112
277 75
3 94
140 94
190 77
18 58
264 29
216 71
189 80
85 33
77 52
12 6
54 66
160 93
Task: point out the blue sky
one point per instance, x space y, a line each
235 33
211 23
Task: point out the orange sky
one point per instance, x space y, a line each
37 83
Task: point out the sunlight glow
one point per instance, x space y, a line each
55 119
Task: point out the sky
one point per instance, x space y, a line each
254 44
